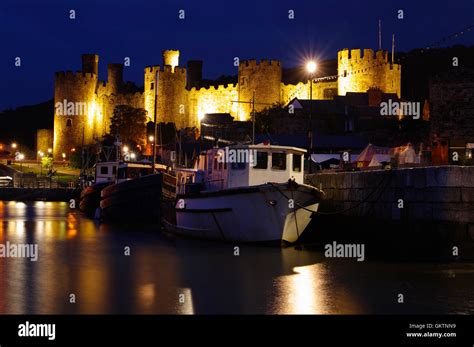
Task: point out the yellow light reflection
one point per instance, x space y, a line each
185 301
302 292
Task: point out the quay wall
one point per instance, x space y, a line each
38 194
410 213
444 193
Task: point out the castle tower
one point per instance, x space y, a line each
359 73
74 104
264 79
90 63
194 72
114 78
171 58
44 140
172 94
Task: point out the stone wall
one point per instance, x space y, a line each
77 89
219 99
325 90
263 79
44 140
359 73
439 194
452 105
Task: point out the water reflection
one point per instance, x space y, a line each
164 274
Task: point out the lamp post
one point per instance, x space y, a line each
311 68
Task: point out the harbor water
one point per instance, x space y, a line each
84 267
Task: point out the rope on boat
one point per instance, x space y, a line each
341 211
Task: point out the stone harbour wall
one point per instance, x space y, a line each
426 194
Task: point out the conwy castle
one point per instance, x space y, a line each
184 99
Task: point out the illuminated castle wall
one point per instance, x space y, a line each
182 99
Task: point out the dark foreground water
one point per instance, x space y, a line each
166 274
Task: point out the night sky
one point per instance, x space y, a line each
41 33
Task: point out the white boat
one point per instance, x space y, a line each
244 193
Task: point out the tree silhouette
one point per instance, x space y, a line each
129 123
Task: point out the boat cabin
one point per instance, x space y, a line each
118 172
105 171
243 166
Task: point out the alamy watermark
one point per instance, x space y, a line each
19 250
242 155
28 329
69 108
341 250
400 108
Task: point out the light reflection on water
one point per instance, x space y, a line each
164 274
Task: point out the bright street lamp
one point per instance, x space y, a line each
151 138
125 149
311 67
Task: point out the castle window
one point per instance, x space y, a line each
69 122
345 73
243 81
152 86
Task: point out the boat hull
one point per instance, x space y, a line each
90 198
136 200
261 213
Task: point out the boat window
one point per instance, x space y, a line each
114 170
238 166
262 161
215 163
297 162
104 170
279 161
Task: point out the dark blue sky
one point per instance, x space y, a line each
216 31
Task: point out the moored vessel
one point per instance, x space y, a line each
136 195
243 193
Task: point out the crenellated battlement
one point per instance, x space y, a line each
381 56
165 69
355 56
102 88
220 87
263 62
358 72
75 76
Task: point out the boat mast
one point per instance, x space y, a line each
253 103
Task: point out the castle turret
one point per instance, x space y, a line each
114 78
90 63
359 73
264 79
172 98
194 72
171 58
74 107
